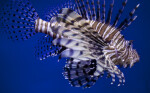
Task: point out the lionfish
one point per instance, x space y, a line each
79 32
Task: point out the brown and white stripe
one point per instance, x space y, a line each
44 27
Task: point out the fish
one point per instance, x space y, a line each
80 32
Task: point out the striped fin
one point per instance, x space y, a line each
115 32
128 20
18 19
74 48
105 65
119 13
98 14
77 33
100 67
80 73
82 8
44 48
70 19
74 32
69 4
55 10
89 10
115 71
70 43
78 54
103 11
93 9
129 23
77 7
66 29
78 49
110 13
52 13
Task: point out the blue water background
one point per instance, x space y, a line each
20 72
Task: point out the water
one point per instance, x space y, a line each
20 72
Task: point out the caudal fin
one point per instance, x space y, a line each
17 19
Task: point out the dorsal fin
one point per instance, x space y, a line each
119 13
98 15
78 8
70 5
103 11
129 23
81 7
128 20
89 10
131 18
52 13
93 10
71 20
84 9
55 10
110 12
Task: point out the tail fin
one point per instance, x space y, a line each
18 19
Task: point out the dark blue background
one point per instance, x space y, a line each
20 72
